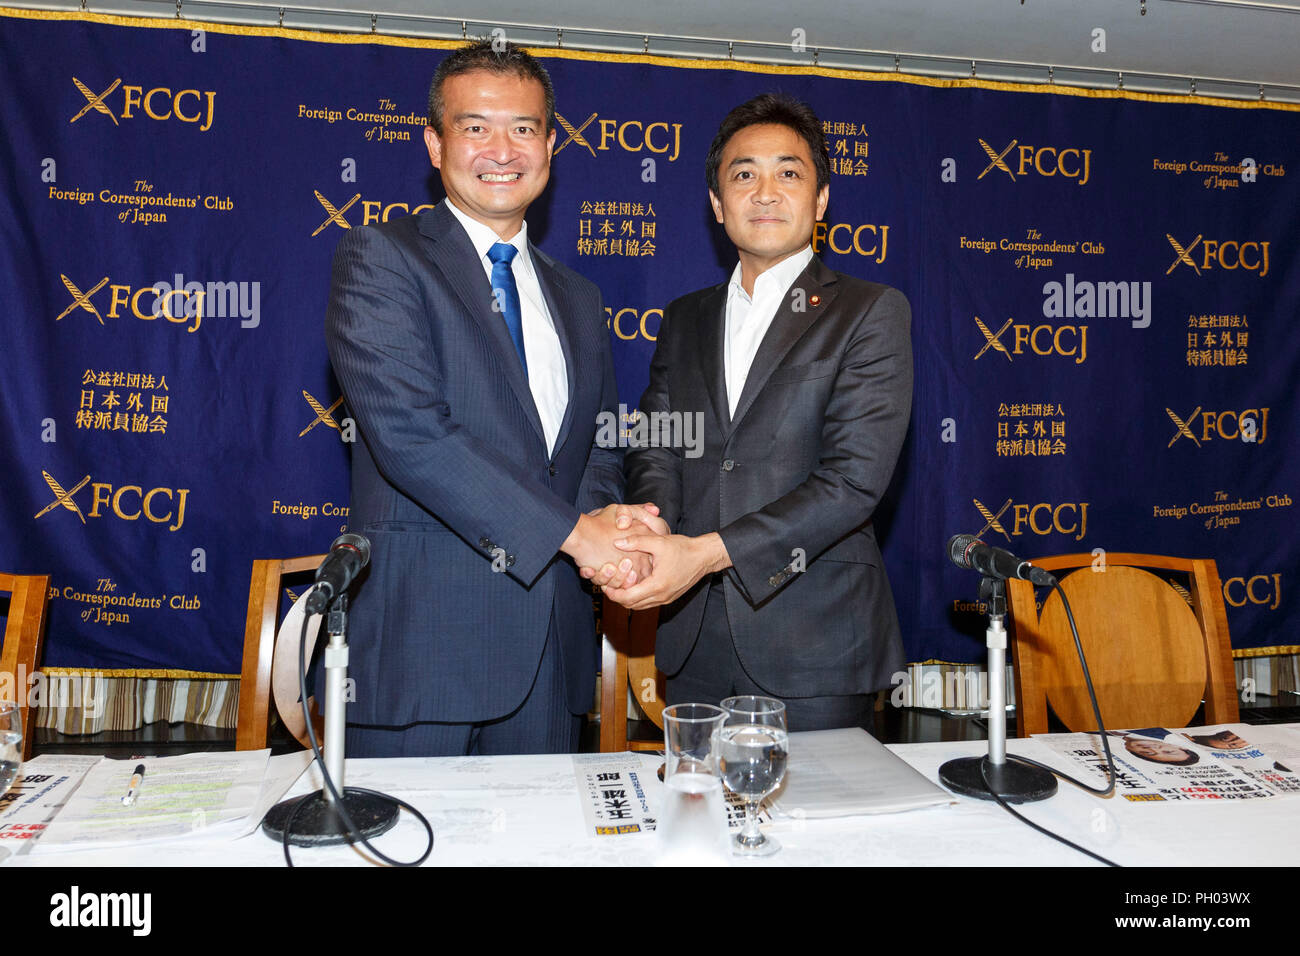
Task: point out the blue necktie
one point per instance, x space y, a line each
505 295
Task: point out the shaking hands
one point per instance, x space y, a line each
647 566
591 543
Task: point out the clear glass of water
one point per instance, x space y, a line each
751 757
693 825
11 743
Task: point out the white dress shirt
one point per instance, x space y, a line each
749 318
547 373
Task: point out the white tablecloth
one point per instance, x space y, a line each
526 810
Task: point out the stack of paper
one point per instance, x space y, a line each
840 773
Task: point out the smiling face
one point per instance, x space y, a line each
494 152
1158 751
767 198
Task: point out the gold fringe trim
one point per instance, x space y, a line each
946 663
313 36
1244 652
145 672
1266 651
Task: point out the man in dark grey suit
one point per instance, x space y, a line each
773 583
475 368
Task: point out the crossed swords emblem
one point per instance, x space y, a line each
991 340
62 497
998 160
1183 428
991 520
323 414
94 102
81 300
1184 255
335 215
575 135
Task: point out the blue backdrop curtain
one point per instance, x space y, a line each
1102 286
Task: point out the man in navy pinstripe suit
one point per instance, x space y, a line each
475 367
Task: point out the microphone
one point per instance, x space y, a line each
348 555
968 551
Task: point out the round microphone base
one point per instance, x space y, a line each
316 823
1015 782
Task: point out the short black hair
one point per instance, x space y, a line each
782 110
1222 737
495 56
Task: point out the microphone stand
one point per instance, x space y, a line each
314 820
1014 782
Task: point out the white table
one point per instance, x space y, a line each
525 810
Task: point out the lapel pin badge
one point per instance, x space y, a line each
815 300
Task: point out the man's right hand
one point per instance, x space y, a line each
627 516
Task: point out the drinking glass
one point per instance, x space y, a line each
693 825
11 743
752 756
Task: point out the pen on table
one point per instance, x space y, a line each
134 786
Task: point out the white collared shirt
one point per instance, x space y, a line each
749 318
547 373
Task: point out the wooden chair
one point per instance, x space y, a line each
1155 649
628 659
257 696
23 638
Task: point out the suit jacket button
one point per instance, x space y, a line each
553 470
728 464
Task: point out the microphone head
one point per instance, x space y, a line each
355 542
959 547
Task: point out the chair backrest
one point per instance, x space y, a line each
1155 648
23 638
628 659
253 728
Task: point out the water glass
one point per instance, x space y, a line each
11 743
693 824
751 758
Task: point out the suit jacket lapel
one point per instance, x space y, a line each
454 256
711 324
556 291
787 327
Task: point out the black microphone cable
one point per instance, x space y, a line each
1105 744
329 783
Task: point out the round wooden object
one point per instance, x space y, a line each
1144 647
647 686
284 672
